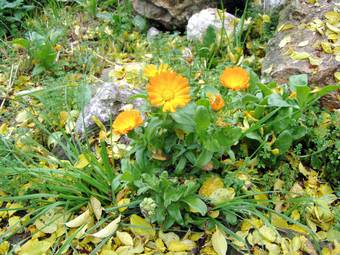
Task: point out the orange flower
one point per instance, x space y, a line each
127 121
235 78
168 90
216 102
152 70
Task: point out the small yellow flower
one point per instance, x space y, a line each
235 78
168 90
152 70
127 121
216 102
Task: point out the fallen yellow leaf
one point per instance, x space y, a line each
108 230
80 220
219 242
34 247
82 162
125 238
179 246
140 226
210 185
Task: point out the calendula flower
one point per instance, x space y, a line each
152 70
216 102
235 78
168 90
127 121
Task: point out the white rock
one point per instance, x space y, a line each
106 103
269 5
199 23
152 33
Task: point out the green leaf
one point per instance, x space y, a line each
204 158
248 98
298 80
175 212
140 23
327 89
284 141
209 37
152 127
22 42
191 157
203 102
228 136
170 196
106 162
266 91
209 89
254 136
196 204
302 95
276 100
38 69
185 118
180 165
298 132
202 118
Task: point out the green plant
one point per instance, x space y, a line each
41 49
173 201
320 148
12 14
90 6
223 45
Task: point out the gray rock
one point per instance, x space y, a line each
280 63
152 33
199 23
171 13
107 102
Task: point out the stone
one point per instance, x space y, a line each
269 5
152 33
299 47
109 97
171 13
199 23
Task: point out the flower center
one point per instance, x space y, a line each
168 95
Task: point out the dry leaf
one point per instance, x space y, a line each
125 238
22 117
184 245
210 185
63 116
96 207
219 242
284 41
141 227
80 220
82 162
35 247
284 27
108 230
222 195
326 47
299 55
315 61
303 43
4 247
167 238
268 233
